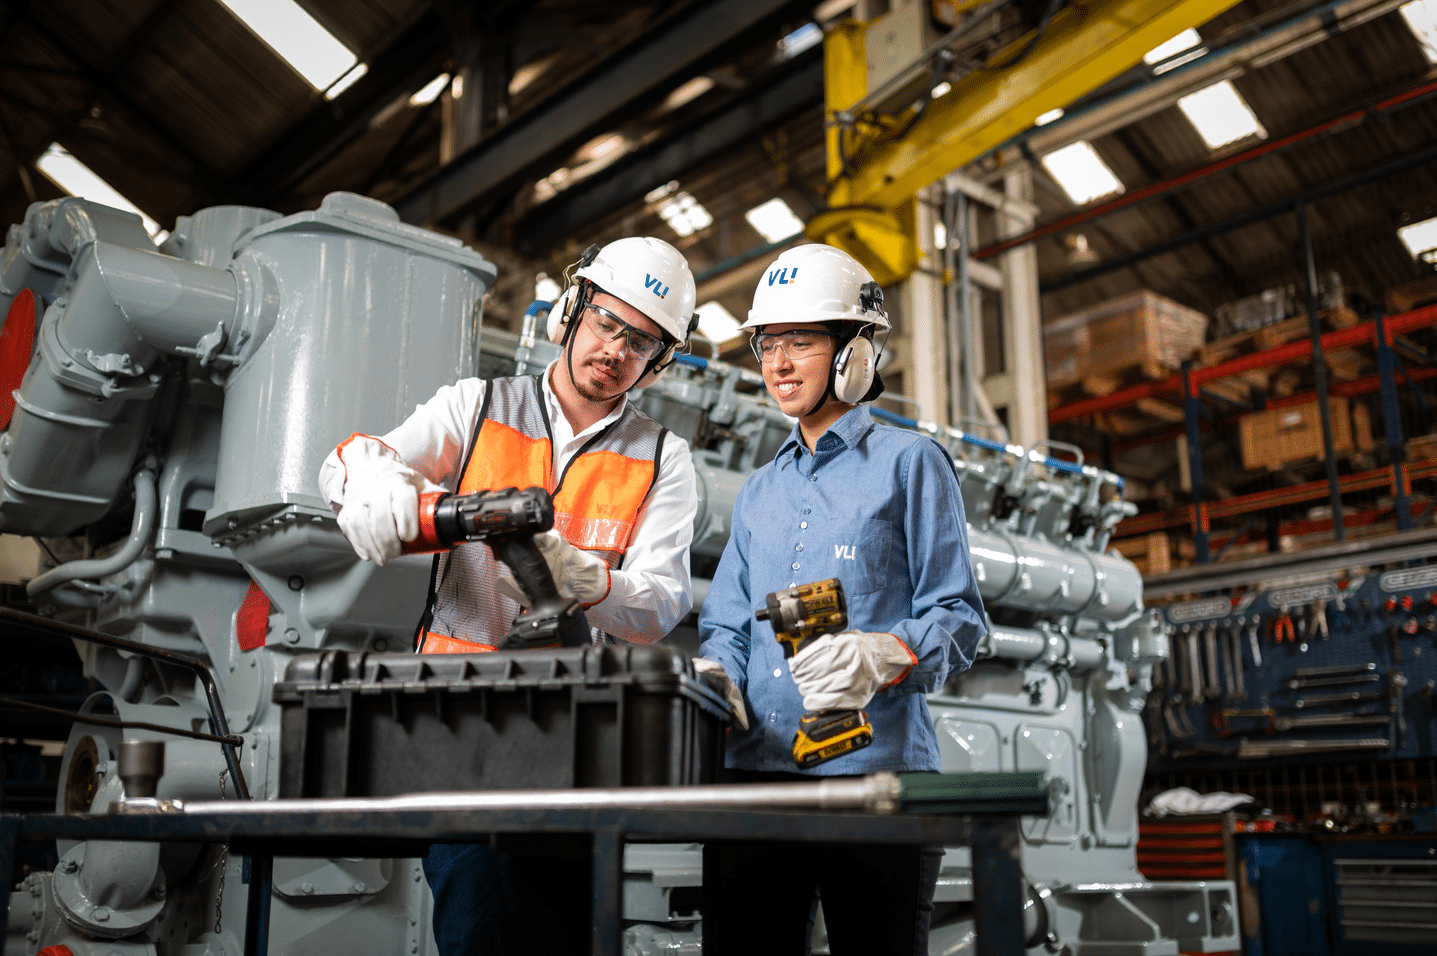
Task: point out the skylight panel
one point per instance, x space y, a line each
808 35
1421 17
297 37
1045 118
716 323
774 220
77 179
1165 56
1221 115
684 214
1081 172
1420 238
430 91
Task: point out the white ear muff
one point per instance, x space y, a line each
559 314
853 370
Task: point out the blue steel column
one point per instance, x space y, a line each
607 892
1319 375
261 890
1192 408
1392 425
997 888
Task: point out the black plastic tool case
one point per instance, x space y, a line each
370 725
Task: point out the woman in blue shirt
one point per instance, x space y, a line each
879 509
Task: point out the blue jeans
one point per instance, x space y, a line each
490 902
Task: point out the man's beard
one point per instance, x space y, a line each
593 394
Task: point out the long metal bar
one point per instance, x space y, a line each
586 106
260 867
607 893
1319 372
1392 424
14 623
1421 157
1283 354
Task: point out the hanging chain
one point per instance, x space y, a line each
224 865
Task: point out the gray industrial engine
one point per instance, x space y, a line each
191 391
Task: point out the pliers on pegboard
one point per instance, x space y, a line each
1282 627
1317 621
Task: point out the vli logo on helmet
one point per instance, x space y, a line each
783 276
656 285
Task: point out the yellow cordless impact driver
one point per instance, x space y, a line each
799 616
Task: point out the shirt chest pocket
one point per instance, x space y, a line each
857 553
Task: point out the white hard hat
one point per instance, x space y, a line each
816 283
650 275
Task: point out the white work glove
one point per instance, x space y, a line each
577 573
729 689
381 500
843 671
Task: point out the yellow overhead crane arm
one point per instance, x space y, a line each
1085 45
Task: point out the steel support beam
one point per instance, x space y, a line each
674 50
797 87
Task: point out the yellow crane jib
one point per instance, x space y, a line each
877 163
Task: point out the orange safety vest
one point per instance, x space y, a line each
597 502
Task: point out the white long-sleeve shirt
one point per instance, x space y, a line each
652 592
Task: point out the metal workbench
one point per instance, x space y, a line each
266 829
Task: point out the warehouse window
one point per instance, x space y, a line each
684 214
1221 115
1421 16
430 91
716 323
774 220
1183 48
808 35
305 45
1420 238
1081 172
77 179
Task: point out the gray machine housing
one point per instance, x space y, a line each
191 391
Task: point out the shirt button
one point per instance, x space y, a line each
803 525
778 672
798 547
795 565
808 511
812 477
773 718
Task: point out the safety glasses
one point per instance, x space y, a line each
608 326
797 344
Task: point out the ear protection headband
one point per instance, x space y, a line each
569 304
855 363
660 363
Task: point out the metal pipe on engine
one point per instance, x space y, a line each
141 529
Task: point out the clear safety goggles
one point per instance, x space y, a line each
608 327
796 344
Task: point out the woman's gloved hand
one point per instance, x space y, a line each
381 500
843 671
577 573
728 688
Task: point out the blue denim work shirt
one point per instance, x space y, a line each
879 509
